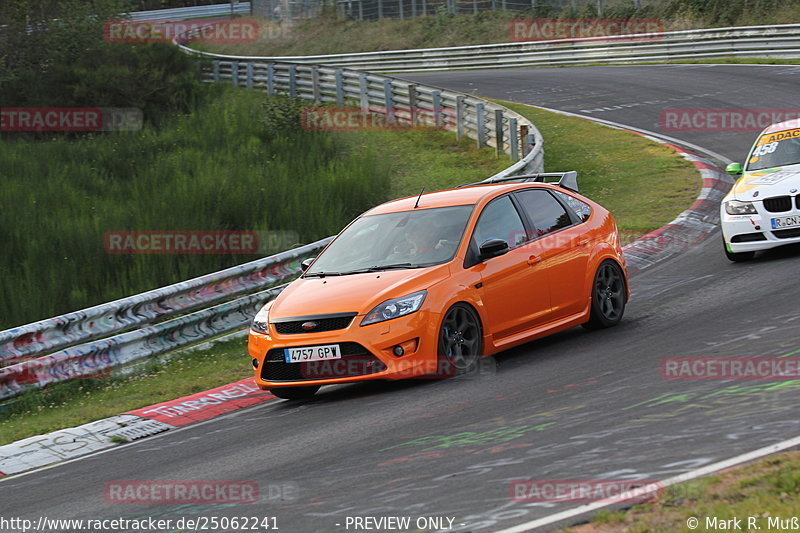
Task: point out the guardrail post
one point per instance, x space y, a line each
475 7
389 103
459 117
530 142
498 131
271 79
513 139
480 117
380 9
360 9
523 137
424 7
412 104
293 81
414 8
400 5
249 75
315 85
215 70
235 73
437 108
363 92
339 88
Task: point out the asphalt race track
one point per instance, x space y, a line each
578 405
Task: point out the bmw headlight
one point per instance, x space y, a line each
261 321
735 207
396 307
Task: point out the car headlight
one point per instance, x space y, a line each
394 308
261 320
735 207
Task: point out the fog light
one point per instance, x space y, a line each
398 351
255 363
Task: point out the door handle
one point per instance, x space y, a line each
583 242
534 259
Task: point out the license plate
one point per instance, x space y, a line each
786 222
312 353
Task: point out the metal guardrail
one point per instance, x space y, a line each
779 41
143 325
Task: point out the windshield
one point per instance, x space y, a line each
408 239
776 150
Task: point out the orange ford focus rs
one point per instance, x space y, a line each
427 285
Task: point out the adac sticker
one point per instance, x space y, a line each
779 136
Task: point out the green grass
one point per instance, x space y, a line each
766 489
610 163
240 163
644 184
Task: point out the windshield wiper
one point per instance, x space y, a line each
322 274
379 268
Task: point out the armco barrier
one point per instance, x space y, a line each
228 299
779 41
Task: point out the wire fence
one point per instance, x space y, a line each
402 9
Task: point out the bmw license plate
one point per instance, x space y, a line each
786 222
312 353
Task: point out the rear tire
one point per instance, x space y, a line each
608 296
295 393
460 341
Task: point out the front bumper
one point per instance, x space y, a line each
367 352
751 233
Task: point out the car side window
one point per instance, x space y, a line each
545 213
581 209
500 220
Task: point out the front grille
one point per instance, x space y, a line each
778 204
787 233
797 201
294 325
355 361
749 237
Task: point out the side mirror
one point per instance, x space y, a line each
493 248
305 263
734 169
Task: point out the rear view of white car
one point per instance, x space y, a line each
762 210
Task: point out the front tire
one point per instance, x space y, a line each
295 393
608 296
460 341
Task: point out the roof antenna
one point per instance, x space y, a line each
416 204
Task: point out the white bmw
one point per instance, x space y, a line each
762 210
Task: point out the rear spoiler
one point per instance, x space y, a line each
567 180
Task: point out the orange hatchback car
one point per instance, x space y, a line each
427 285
